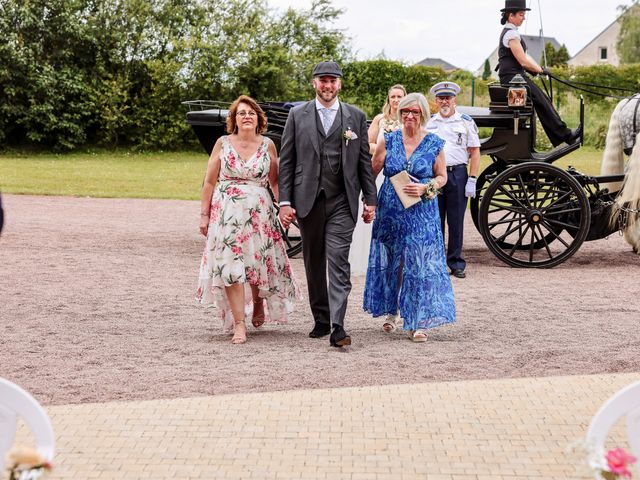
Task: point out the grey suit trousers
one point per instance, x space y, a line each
329 218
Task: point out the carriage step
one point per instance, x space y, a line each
556 153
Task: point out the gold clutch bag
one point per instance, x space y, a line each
398 181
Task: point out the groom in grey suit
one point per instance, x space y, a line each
324 164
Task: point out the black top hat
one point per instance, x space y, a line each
327 69
515 6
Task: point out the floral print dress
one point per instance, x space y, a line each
244 244
407 264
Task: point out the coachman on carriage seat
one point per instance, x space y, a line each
513 60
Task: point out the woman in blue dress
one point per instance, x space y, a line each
407 270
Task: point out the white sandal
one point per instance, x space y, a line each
417 336
390 324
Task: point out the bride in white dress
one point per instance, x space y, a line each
385 122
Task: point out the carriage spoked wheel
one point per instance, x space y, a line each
484 179
292 239
534 215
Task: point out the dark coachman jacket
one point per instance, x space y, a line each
554 127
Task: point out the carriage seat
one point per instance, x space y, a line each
498 98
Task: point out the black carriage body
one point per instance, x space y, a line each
209 120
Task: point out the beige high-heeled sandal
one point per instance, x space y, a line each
258 321
239 332
417 336
391 323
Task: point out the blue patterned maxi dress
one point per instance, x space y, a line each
410 239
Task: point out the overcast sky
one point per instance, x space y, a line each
461 32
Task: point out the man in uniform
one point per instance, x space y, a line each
462 148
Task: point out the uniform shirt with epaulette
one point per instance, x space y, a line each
459 131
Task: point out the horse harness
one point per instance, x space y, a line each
636 97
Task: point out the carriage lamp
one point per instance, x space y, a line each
517 98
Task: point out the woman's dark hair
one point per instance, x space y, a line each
233 110
504 18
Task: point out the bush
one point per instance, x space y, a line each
366 83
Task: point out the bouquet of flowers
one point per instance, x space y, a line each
615 465
391 125
612 465
26 463
432 190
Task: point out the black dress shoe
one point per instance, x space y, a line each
339 338
574 136
320 330
458 273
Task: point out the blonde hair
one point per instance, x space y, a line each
420 99
386 109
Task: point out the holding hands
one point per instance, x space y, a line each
369 213
287 215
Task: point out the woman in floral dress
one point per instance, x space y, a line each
407 265
245 261
383 123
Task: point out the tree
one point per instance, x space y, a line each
114 72
486 73
43 69
628 44
555 58
286 47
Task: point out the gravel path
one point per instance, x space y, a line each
96 304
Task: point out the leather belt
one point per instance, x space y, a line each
450 168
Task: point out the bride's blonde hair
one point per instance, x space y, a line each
386 109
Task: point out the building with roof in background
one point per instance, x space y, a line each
535 47
438 62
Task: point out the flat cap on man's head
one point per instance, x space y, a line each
445 89
327 69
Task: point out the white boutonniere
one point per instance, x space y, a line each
348 135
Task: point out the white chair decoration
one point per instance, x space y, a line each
625 403
16 402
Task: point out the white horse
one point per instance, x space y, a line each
623 137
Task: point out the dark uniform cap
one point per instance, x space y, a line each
515 6
327 69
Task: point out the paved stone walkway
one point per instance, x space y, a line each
467 430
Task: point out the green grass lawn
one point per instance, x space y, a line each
585 159
175 175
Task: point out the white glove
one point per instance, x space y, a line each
470 187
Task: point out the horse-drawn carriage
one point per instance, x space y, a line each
529 212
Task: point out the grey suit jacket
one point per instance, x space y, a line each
299 180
